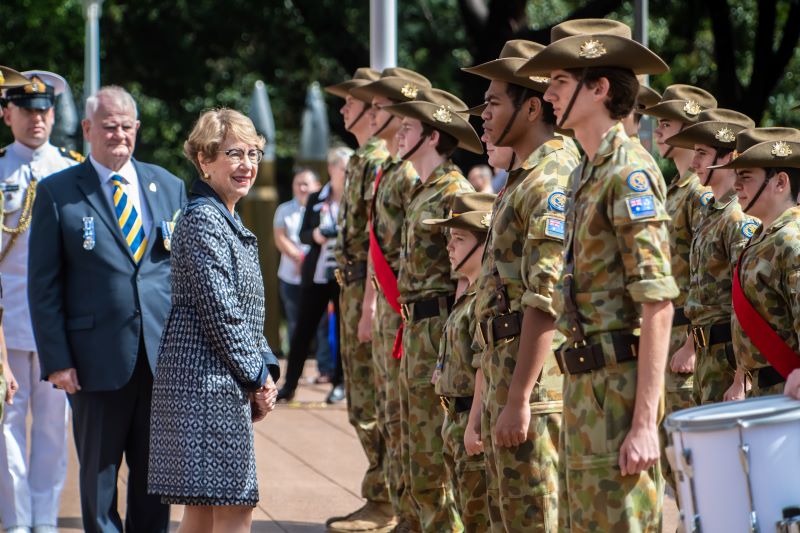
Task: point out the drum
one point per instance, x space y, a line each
737 465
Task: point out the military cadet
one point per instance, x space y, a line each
766 283
387 199
646 97
8 384
718 239
617 282
431 131
454 376
351 251
679 107
30 487
521 391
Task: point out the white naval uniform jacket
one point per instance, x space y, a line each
18 165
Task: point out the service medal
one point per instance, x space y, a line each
166 231
88 233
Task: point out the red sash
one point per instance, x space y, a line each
384 273
769 343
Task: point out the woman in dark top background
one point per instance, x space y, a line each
318 283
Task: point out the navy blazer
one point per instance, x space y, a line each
89 307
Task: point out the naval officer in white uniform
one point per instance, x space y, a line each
30 484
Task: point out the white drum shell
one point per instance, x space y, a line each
719 478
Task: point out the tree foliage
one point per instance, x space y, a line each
181 57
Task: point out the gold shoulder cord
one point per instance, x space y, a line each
24 219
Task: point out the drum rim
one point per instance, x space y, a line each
785 412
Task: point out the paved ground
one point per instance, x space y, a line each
309 468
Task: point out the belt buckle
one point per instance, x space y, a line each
339 278
405 312
699 336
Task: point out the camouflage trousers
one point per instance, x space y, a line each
467 474
714 371
422 420
359 380
678 394
387 369
522 482
598 409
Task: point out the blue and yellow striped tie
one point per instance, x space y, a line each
129 220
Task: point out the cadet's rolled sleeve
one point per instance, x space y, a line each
653 290
542 263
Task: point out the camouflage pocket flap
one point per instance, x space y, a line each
550 226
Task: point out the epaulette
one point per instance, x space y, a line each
2 152
72 154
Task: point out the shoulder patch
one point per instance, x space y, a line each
72 154
706 197
639 181
557 201
555 228
641 207
749 227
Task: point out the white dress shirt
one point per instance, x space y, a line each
131 186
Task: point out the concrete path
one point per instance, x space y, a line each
309 468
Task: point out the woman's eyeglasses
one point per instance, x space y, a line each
236 155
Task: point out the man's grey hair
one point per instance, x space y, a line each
116 94
340 155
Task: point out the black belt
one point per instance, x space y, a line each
718 334
351 273
679 318
587 358
426 308
456 404
503 327
768 376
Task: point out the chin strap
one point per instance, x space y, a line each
573 98
414 148
760 190
513 160
517 107
359 117
711 171
385 124
466 257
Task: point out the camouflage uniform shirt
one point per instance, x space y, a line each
685 197
424 264
455 368
618 227
716 245
770 277
394 190
352 242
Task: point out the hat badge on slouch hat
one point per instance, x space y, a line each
725 135
592 49
443 114
486 221
410 91
692 108
781 149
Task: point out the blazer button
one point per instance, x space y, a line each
138 278
137 312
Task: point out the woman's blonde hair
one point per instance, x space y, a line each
211 130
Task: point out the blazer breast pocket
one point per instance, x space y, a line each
80 322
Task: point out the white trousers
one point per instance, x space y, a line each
30 487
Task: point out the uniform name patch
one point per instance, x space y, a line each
638 181
554 228
706 197
641 206
557 201
749 227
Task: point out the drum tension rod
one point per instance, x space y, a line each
744 457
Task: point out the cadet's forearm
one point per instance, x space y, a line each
652 358
535 343
477 402
370 296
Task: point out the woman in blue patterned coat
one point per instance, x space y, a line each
215 371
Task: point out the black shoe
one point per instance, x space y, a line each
336 395
285 395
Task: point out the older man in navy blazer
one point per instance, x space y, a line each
99 291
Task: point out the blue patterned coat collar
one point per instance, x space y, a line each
202 193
